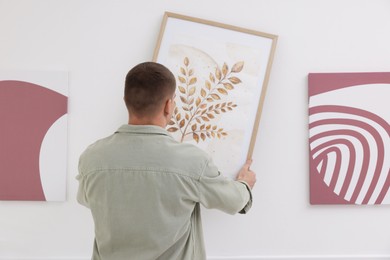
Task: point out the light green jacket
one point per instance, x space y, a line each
144 190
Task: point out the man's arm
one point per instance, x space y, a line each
81 195
230 196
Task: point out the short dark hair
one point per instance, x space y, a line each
147 86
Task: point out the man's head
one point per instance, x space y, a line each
148 88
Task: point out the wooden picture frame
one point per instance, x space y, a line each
222 72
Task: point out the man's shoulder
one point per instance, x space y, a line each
95 149
188 159
98 144
188 150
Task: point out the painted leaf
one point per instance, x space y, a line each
183 71
186 61
191 101
192 81
208 127
197 102
202 127
215 96
214 127
191 72
171 122
183 99
238 66
218 74
198 120
196 137
187 116
234 80
172 129
181 79
182 90
228 86
193 127
178 117
208 84
211 116
182 123
192 91
203 106
203 92
225 69
205 118
212 78
224 134
209 99
203 136
222 91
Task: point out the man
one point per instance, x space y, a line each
144 188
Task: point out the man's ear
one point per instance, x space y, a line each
168 108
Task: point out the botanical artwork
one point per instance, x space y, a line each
221 74
201 106
349 138
33 136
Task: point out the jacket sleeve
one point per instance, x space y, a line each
219 192
81 193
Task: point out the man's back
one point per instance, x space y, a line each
144 190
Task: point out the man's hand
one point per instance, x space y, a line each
247 175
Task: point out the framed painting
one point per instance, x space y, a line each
349 138
222 73
33 135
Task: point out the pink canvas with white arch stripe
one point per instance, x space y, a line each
349 143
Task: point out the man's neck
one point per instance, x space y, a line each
147 121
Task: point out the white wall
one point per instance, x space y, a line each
97 41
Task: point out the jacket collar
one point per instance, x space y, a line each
143 129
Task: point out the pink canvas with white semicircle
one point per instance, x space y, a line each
349 143
33 135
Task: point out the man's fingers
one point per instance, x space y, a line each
248 164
